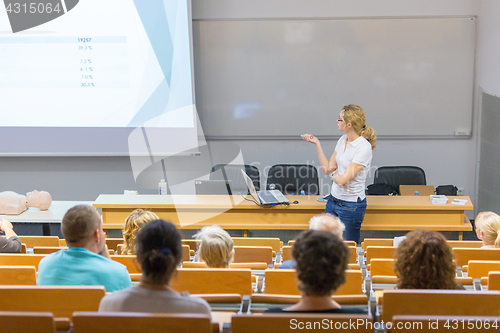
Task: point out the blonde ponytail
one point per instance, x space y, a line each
369 134
355 115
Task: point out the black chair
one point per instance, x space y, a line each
290 179
233 172
399 175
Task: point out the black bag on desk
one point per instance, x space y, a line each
447 190
381 189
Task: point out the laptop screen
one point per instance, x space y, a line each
250 186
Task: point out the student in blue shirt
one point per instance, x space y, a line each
87 261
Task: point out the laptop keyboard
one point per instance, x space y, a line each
266 196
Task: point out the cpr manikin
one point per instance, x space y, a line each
12 203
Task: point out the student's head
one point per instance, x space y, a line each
488 228
159 251
353 114
39 199
81 226
424 261
133 223
216 247
327 222
322 259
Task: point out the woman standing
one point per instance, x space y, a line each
349 166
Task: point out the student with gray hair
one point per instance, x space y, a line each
216 248
322 222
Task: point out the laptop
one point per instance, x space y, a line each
264 197
423 190
218 187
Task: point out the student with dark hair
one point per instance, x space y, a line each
322 259
159 251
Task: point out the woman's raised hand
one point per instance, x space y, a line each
310 138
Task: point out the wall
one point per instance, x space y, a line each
489 82
445 161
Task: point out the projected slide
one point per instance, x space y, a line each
101 63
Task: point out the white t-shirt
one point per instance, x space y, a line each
360 152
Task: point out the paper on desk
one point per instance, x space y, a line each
439 199
459 202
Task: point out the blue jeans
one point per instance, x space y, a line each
350 213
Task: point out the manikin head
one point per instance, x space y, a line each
39 199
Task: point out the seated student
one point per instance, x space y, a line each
322 259
325 222
216 247
488 229
133 223
425 261
10 243
86 262
159 251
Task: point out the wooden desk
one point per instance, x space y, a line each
195 212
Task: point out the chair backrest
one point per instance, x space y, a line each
112 243
481 268
382 266
463 255
47 249
273 242
251 265
440 302
192 243
62 301
346 242
379 252
376 242
18 275
462 243
291 322
286 253
292 178
494 280
442 324
285 282
128 261
253 254
359 299
62 242
33 322
233 173
212 281
20 259
128 322
32 241
185 253
400 175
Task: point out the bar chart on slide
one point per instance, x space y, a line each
64 62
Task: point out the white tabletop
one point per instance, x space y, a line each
52 215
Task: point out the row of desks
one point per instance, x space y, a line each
235 212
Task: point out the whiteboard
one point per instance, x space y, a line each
283 77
